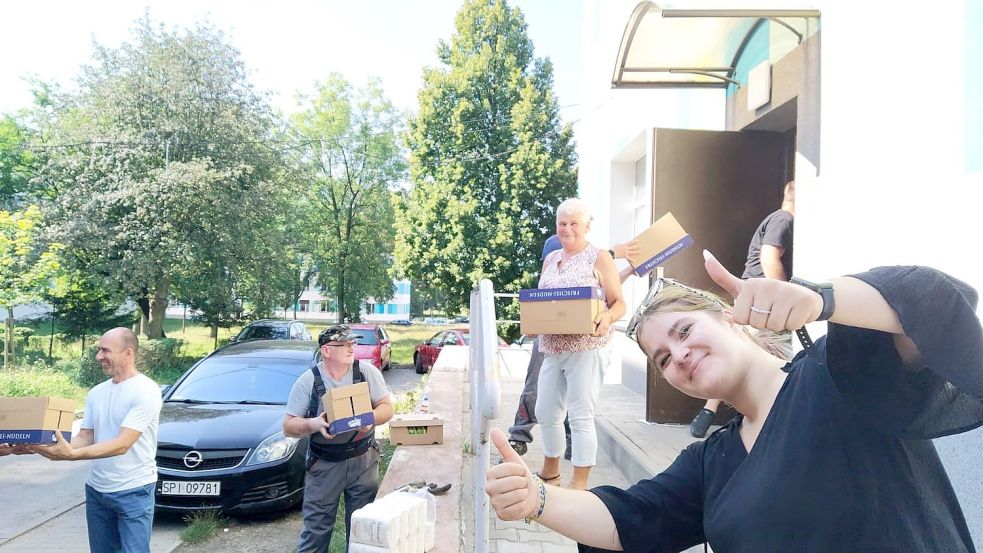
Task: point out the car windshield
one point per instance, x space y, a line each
264 333
242 380
365 336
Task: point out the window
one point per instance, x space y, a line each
380 308
305 305
390 308
323 306
403 288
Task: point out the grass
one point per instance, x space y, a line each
202 525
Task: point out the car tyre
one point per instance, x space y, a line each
418 365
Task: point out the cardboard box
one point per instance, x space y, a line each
348 408
658 243
560 310
34 420
416 429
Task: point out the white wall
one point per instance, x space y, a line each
892 187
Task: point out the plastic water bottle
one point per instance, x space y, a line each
425 403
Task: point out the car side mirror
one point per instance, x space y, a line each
164 388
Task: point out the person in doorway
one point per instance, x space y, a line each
520 433
572 372
768 256
346 463
118 431
832 450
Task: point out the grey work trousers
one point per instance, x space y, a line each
357 478
525 415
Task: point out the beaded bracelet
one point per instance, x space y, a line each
542 500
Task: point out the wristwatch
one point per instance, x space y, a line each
825 290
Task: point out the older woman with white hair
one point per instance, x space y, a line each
572 373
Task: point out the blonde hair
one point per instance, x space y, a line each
575 206
675 299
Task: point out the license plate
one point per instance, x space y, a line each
190 488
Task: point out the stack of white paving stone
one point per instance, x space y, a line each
399 522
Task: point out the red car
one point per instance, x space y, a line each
426 352
373 345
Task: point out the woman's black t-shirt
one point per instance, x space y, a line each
844 461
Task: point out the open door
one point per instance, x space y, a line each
719 185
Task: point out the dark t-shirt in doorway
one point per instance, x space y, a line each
775 230
844 462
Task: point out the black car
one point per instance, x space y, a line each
220 443
273 329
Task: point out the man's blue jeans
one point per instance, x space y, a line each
120 521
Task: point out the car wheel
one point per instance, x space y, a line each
418 364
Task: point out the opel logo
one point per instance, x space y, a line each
192 459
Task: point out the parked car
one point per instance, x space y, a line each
426 352
373 344
220 443
403 322
270 329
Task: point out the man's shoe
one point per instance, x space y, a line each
701 423
519 447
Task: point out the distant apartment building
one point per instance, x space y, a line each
314 306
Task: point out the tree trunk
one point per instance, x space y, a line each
184 320
51 337
214 331
83 347
158 303
8 340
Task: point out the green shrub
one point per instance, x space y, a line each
41 379
159 355
86 371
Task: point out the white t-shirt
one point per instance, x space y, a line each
134 403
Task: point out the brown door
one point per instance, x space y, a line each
719 185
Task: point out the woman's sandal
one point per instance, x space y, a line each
552 480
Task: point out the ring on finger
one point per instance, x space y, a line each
760 310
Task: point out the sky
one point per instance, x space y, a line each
287 45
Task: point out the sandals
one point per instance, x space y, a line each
552 480
434 489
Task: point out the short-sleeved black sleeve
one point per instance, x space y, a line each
663 513
945 395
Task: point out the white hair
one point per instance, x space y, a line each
575 206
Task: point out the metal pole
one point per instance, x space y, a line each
487 395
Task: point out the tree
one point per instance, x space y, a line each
83 306
489 159
352 155
15 164
26 267
163 168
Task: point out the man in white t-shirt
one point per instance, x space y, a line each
119 431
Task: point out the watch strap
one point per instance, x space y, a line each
825 291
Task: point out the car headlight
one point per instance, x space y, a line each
274 448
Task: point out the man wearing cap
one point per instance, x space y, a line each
344 463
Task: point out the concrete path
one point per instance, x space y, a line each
44 508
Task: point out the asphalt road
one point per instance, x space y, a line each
42 502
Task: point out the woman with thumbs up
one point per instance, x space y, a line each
832 450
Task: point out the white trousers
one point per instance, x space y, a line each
569 384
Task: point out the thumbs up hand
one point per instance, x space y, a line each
513 491
766 303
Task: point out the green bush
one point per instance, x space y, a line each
41 379
86 371
159 355
21 333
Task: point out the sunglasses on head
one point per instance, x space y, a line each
657 287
